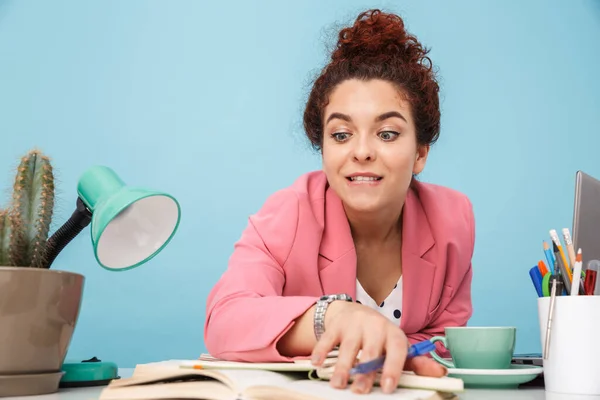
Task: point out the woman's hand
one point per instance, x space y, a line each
356 327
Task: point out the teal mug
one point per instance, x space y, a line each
477 347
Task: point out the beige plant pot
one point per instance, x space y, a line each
39 309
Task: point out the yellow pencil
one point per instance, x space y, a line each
556 240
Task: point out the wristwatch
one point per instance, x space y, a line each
322 304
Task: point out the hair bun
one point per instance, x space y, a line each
379 36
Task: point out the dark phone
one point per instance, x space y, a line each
528 359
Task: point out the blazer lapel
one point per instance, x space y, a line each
417 272
337 255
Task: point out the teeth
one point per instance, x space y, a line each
363 178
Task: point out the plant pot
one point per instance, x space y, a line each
39 309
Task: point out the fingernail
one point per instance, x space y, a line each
315 358
336 381
445 370
388 385
360 384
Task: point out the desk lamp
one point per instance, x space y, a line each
129 226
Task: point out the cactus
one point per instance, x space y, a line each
4 238
25 227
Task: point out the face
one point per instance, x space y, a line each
370 149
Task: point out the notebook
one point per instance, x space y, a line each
324 372
213 379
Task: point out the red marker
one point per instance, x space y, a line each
590 277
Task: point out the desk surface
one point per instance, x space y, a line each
469 394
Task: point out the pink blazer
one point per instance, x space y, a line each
298 246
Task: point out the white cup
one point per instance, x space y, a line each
572 365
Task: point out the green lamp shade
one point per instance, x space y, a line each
129 225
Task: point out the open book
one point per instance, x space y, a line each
223 380
323 372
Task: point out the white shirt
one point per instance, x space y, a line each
391 307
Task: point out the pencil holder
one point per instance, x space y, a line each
572 365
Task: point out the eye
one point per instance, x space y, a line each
340 136
388 135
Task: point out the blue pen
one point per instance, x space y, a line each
536 278
549 257
417 349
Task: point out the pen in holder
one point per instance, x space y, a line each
590 284
557 287
569 359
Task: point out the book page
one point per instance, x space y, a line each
243 376
322 390
167 381
247 378
217 364
408 380
331 354
208 390
245 383
166 366
153 368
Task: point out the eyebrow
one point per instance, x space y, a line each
390 114
382 117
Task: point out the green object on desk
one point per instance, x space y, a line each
92 372
477 347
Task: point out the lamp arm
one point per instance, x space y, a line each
80 218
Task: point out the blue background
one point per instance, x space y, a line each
204 100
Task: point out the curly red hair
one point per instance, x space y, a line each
377 46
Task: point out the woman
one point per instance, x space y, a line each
362 229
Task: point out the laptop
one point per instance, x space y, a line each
585 233
586 217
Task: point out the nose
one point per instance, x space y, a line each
363 150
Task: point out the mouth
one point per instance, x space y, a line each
363 178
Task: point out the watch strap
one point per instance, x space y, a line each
321 309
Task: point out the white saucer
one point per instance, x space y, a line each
496 378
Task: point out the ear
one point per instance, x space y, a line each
421 159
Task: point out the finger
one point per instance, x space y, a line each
372 347
326 343
423 365
349 347
396 348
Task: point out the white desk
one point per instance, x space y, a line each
93 393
